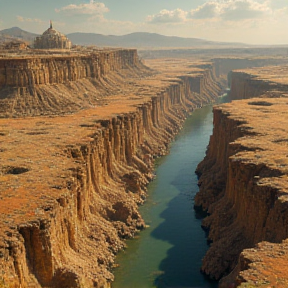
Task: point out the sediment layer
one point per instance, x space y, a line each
71 185
243 183
268 81
64 83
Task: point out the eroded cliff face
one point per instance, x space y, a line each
259 82
243 183
61 84
71 185
30 71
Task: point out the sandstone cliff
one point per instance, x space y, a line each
243 181
258 82
60 84
70 185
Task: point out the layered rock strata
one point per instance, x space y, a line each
70 185
65 82
243 183
259 82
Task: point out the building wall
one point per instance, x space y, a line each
52 42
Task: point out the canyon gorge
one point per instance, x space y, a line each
77 153
79 133
243 182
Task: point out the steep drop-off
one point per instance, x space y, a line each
268 81
64 83
70 185
243 181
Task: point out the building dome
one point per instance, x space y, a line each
52 32
52 39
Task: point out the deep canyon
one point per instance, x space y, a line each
79 133
243 182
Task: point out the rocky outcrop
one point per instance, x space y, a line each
261 266
243 180
65 83
245 85
71 185
31 71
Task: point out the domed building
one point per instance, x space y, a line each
52 39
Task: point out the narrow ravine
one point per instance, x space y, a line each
169 252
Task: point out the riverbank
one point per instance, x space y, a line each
169 252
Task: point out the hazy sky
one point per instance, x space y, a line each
249 21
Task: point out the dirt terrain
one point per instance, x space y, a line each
78 134
77 148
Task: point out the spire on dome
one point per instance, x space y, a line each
51 24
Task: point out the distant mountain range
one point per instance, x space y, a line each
137 40
143 40
17 33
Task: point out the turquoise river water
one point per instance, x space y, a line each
169 252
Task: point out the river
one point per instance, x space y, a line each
169 252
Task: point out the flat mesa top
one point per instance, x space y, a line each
269 265
265 142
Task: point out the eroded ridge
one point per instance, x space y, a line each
61 83
71 185
243 183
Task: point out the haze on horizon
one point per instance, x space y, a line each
246 21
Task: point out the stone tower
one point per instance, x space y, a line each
52 39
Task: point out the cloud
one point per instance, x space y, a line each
30 20
227 10
231 10
243 9
84 9
166 16
205 11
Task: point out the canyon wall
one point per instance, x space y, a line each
30 71
245 85
243 182
71 185
62 83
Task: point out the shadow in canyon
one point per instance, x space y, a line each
182 224
182 229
